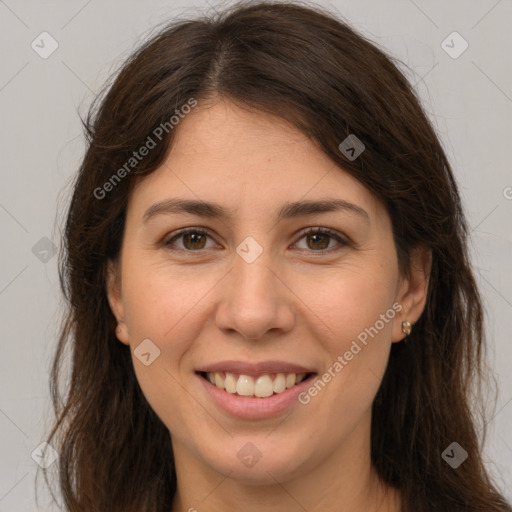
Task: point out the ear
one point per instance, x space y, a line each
113 286
413 291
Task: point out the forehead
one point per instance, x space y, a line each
246 160
223 126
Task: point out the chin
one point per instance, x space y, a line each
259 459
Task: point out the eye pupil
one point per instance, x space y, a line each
194 238
320 235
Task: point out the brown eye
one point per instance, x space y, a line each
319 239
193 239
196 240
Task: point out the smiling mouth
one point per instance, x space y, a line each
260 386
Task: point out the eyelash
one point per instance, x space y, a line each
308 231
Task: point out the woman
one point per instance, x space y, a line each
271 303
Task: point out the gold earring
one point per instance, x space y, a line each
406 327
120 329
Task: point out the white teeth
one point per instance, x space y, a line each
230 383
264 386
244 386
280 383
219 381
261 387
290 380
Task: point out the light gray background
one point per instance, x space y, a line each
468 98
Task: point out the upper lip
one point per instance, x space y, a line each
260 368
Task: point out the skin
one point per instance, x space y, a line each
303 300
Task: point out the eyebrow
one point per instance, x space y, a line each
287 211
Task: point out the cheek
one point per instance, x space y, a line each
358 310
162 304
353 303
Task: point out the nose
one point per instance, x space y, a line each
255 301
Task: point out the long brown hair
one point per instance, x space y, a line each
313 70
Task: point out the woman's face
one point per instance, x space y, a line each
254 303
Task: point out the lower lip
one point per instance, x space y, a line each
253 408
